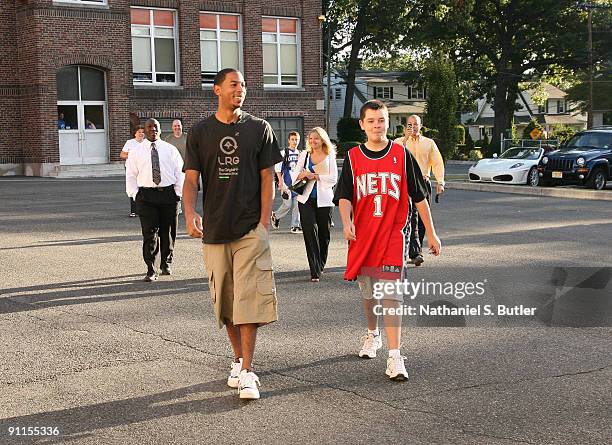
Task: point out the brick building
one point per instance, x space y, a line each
77 74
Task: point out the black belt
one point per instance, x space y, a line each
159 189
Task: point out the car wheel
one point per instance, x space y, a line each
597 180
533 178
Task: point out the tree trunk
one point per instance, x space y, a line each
354 60
501 112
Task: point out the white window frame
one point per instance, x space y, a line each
84 2
560 106
152 38
218 41
416 93
337 93
383 92
298 42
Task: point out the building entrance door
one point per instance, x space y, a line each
82 116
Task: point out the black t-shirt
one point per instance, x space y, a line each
416 185
229 158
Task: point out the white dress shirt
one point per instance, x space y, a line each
325 184
130 145
139 172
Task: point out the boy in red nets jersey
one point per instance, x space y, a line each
377 186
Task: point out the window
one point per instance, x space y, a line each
416 93
220 44
85 2
560 106
281 55
383 92
338 94
282 127
154 55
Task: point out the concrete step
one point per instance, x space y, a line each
88 171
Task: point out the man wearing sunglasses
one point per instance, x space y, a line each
429 159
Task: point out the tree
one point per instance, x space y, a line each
363 24
441 106
503 42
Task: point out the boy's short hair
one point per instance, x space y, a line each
293 133
373 104
220 76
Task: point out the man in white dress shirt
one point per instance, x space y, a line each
154 178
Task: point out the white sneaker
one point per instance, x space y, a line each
248 385
234 377
396 369
371 343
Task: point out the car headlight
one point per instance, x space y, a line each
517 165
544 160
580 162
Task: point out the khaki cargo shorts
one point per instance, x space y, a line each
241 280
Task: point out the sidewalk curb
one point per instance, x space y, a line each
596 195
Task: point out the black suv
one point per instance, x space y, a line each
585 159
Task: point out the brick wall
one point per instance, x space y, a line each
40 37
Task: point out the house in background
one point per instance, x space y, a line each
401 99
555 111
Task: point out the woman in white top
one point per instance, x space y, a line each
317 164
129 145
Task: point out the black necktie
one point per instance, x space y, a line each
155 164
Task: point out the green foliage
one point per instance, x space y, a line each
348 129
399 131
562 133
431 133
475 155
343 147
469 142
441 106
460 134
530 127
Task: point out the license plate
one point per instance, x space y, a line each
557 175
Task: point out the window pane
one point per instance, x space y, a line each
164 55
270 65
140 16
270 80
268 38
140 31
229 55
289 80
142 77
288 59
208 56
92 84
208 21
284 38
163 18
268 25
289 26
164 32
94 117
208 35
228 22
229 35
170 78
67 117
67 83
141 54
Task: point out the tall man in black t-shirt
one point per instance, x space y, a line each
234 153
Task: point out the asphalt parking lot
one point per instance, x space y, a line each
91 350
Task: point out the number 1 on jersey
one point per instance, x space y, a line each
378 206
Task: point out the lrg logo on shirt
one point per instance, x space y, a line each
228 147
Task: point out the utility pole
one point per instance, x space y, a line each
323 19
590 107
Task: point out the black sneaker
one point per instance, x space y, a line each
417 260
275 221
150 276
165 270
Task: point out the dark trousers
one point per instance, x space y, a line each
158 212
132 205
315 228
417 228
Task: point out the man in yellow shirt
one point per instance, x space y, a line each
429 159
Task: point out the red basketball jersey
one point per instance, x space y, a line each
381 211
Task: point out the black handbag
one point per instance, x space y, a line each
299 186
